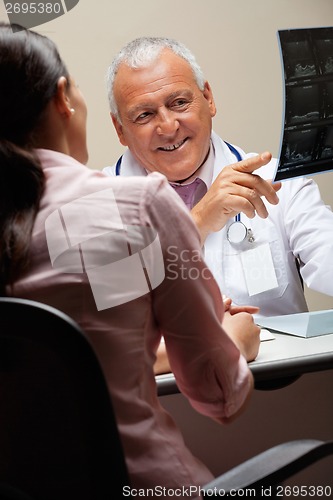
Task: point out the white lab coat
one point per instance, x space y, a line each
300 226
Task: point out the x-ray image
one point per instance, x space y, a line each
327 148
324 48
329 100
303 104
307 136
299 59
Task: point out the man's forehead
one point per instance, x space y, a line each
167 64
158 80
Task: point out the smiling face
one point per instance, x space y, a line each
166 119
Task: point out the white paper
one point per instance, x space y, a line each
266 335
259 269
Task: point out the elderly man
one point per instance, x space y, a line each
162 109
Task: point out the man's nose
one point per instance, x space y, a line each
167 122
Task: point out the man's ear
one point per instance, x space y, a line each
61 99
119 129
208 95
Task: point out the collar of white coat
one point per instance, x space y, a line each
219 156
223 155
130 167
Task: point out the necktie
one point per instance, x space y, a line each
190 193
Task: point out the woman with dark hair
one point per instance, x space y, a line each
31 75
119 255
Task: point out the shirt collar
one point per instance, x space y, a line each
205 172
50 158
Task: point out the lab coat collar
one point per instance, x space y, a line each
130 167
219 156
223 155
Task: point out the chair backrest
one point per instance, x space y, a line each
58 434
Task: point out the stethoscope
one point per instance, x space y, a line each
237 232
118 165
232 149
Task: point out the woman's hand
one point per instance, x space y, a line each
242 329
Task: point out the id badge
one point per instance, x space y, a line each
258 268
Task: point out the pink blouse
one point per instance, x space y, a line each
122 257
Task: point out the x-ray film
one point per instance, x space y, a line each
307 135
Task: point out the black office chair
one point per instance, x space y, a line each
58 435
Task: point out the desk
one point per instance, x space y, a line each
299 410
279 362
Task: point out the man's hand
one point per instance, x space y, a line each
236 189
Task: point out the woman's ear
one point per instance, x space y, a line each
62 101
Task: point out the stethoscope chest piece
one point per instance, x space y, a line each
238 233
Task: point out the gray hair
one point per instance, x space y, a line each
141 52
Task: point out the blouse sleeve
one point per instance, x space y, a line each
208 367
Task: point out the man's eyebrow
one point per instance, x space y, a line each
182 92
138 108
143 106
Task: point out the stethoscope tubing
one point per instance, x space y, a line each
232 149
238 222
